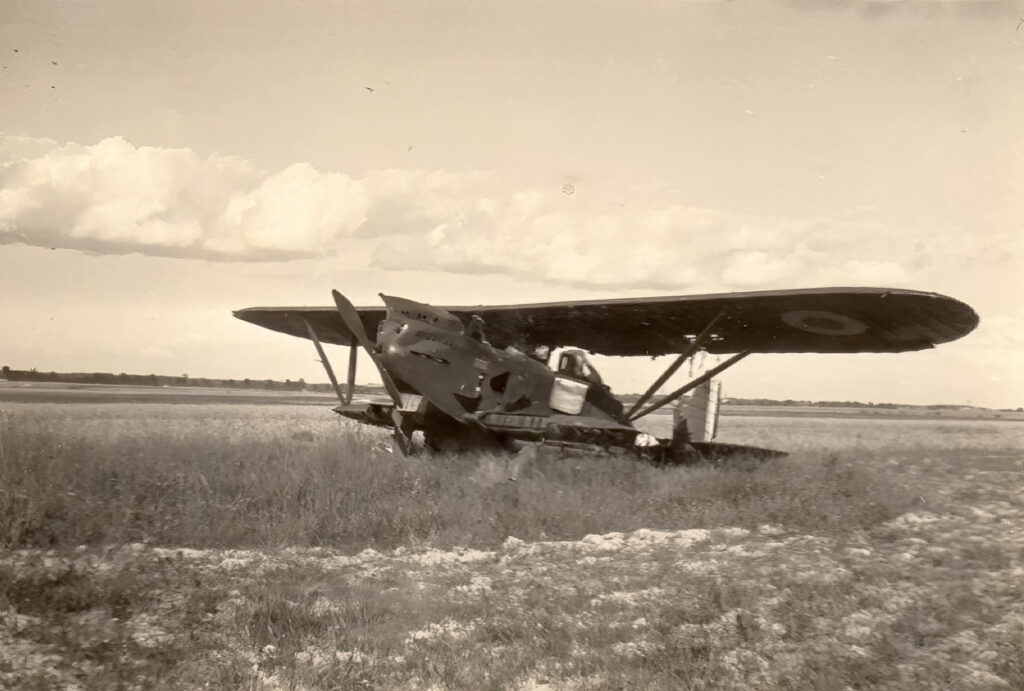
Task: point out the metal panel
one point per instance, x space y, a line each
567 395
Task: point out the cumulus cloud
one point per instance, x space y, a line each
671 248
115 197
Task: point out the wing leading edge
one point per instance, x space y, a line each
819 320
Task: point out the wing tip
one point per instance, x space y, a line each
247 314
965 318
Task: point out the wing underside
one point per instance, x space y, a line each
823 320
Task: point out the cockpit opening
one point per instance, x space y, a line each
574 363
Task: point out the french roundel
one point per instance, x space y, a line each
824 323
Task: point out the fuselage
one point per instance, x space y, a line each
429 352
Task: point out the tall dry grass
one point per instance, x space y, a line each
931 600
226 477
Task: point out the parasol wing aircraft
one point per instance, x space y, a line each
479 375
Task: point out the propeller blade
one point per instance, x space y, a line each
350 316
439 395
401 438
353 356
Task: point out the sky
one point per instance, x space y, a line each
163 163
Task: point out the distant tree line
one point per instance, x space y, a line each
835 404
165 380
301 385
629 399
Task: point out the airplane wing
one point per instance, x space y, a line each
325 321
818 320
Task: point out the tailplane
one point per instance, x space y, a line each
696 417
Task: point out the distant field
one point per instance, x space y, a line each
274 546
899 412
54 392
57 392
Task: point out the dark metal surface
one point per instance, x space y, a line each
820 320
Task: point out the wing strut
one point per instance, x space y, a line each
692 385
330 370
690 350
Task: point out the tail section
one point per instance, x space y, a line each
696 418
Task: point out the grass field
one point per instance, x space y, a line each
274 547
